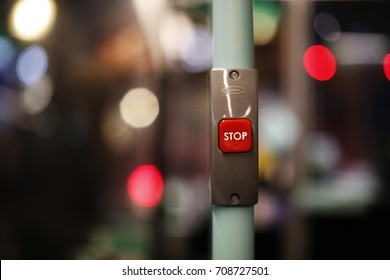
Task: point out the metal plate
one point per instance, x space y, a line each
234 176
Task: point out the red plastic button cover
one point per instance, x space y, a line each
235 135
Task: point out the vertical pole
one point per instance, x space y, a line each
232 23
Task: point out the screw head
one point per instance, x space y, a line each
234 75
235 198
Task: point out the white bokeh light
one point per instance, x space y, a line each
32 19
139 107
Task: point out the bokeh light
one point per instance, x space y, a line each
358 48
175 33
266 17
267 160
279 127
145 186
319 62
32 64
31 20
7 52
196 54
327 27
36 97
386 66
139 107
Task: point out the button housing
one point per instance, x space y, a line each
233 168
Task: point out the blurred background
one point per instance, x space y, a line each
104 129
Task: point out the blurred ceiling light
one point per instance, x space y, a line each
139 107
327 27
36 97
319 63
7 52
176 31
361 48
31 65
32 20
266 16
196 54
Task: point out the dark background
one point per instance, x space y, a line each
63 183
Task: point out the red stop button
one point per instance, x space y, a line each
235 135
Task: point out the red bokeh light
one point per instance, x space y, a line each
386 66
319 62
145 185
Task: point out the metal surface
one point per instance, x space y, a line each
234 176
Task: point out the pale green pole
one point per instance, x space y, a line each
232 24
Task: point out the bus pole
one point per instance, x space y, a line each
234 132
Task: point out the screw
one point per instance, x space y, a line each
234 75
235 198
